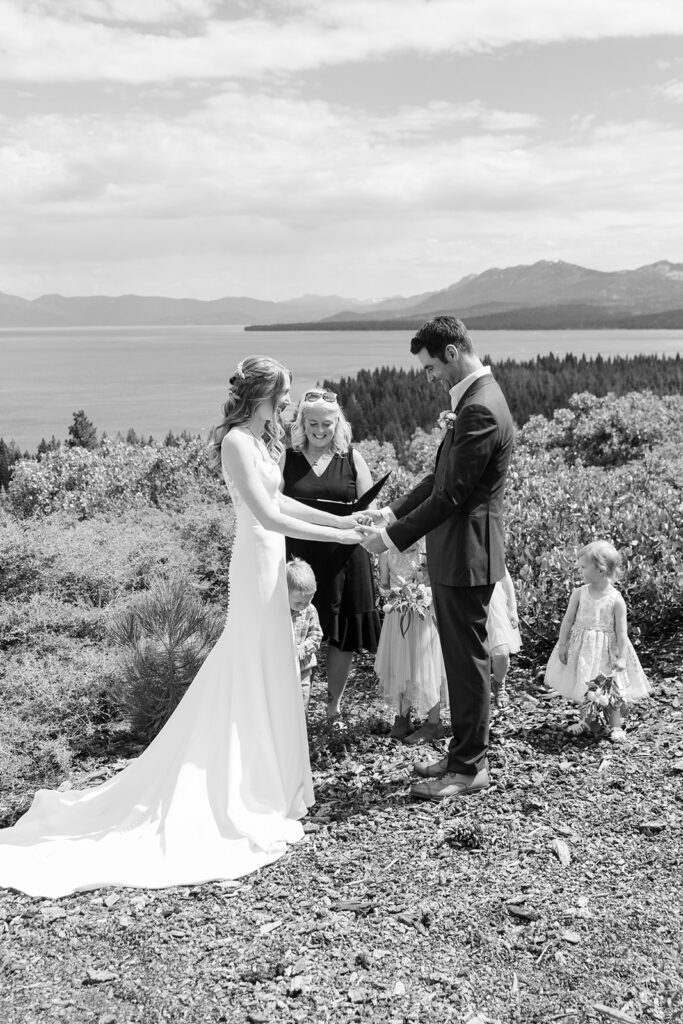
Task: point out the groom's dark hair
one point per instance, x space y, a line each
439 332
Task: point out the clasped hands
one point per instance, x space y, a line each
367 524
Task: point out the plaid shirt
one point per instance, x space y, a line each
307 637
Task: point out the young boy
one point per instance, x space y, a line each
307 632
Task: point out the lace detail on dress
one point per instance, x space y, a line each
596 612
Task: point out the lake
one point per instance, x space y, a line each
157 379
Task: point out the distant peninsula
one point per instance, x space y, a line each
547 295
546 318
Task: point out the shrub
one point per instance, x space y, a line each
552 510
164 637
30 759
607 431
21 560
421 450
381 458
52 700
115 476
206 536
36 620
93 561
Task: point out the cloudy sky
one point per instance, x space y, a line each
358 147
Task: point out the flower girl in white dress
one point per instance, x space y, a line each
594 639
219 792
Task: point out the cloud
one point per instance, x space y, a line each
265 40
233 170
150 12
258 155
672 90
274 195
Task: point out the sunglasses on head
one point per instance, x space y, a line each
318 396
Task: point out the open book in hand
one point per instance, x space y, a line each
347 508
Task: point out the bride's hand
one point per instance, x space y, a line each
350 536
346 523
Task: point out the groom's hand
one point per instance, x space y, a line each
372 540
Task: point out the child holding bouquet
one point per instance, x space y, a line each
409 662
594 641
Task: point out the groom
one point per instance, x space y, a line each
459 507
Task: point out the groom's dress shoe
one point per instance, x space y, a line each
451 784
431 769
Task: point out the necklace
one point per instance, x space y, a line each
320 456
259 437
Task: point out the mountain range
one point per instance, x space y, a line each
546 294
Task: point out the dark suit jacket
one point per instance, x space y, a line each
459 507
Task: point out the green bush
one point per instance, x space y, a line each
421 450
609 431
114 476
206 534
381 458
21 560
163 638
52 699
41 617
552 510
93 561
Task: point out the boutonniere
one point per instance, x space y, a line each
446 420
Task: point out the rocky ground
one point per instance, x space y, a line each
553 896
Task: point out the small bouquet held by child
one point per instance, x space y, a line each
408 598
603 698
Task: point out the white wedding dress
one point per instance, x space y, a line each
218 793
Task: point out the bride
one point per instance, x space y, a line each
219 792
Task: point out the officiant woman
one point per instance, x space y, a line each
322 466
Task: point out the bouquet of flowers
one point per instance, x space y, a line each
603 693
408 598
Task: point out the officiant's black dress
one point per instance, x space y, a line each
345 597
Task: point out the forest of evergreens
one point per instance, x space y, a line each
389 404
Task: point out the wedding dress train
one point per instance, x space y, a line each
219 791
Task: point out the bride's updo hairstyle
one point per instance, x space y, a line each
256 379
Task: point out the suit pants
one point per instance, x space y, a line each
461 614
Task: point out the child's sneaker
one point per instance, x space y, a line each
617 735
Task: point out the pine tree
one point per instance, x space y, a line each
47 446
5 474
82 432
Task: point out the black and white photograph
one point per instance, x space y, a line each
341 512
